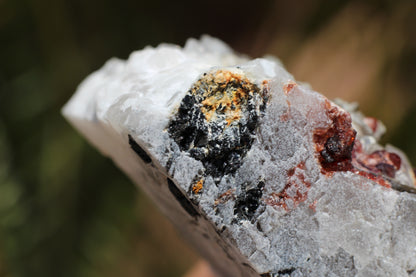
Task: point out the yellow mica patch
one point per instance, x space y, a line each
226 93
198 186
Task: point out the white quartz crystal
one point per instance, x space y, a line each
262 175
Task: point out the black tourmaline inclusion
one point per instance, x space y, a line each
139 151
248 202
216 121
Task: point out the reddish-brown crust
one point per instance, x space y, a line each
380 162
338 149
288 87
312 206
335 143
376 164
286 115
228 195
395 160
372 123
376 178
296 182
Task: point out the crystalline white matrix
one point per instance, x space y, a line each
262 175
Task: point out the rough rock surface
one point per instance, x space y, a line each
261 174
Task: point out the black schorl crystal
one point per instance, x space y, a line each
248 202
139 151
216 121
181 198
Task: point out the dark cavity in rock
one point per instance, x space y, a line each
181 198
248 202
216 121
286 271
139 151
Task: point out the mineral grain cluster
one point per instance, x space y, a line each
262 175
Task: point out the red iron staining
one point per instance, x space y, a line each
266 87
395 159
335 143
339 151
414 174
287 114
372 123
373 177
312 206
288 87
226 196
380 162
373 166
295 191
285 117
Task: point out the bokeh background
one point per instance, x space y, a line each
65 210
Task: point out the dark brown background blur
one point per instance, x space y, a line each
67 211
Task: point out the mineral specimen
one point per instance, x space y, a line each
262 175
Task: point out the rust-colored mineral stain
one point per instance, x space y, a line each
335 143
312 206
266 83
376 164
198 186
395 160
223 198
287 114
372 123
373 177
296 190
285 117
380 162
339 151
288 87
291 171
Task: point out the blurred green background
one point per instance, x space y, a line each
67 211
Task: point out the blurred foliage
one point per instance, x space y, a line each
67 211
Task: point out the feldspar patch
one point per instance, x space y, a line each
262 175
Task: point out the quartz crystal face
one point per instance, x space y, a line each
261 174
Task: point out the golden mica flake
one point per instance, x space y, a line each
198 186
227 94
